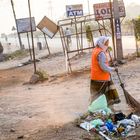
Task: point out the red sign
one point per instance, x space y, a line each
102 10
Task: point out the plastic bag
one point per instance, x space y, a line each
98 104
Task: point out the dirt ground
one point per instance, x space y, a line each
45 111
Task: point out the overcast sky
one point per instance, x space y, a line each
41 8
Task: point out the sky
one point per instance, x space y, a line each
54 9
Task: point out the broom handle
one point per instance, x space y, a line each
129 99
121 84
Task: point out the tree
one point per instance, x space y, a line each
136 23
137 28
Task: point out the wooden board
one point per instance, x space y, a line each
48 27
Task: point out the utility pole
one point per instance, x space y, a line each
19 38
118 34
32 36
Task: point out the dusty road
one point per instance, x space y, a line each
44 111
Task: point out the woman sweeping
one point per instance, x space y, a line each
101 82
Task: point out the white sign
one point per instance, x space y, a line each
118 28
48 27
23 25
48 32
74 10
102 10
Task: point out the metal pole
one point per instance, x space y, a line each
77 37
112 28
29 46
68 59
47 44
92 39
104 27
65 40
68 64
99 28
19 38
32 36
81 36
62 39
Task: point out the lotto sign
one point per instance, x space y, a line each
74 10
118 28
102 10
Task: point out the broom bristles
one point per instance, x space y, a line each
132 101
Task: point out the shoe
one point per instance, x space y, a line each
117 101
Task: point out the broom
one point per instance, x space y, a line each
129 99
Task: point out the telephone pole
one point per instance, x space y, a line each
118 34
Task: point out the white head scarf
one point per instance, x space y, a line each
101 41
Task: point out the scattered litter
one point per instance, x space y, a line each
12 130
27 63
20 137
103 121
87 126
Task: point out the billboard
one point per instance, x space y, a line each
48 27
102 10
23 25
74 10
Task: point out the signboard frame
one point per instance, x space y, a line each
23 25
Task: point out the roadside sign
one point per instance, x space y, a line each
48 27
74 10
102 10
118 28
13 28
23 25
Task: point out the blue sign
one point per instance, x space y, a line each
75 13
74 10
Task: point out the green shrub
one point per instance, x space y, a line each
42 75
137 28
17 54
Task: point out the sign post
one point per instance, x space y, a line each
118 35
112 29
19 38
31 27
